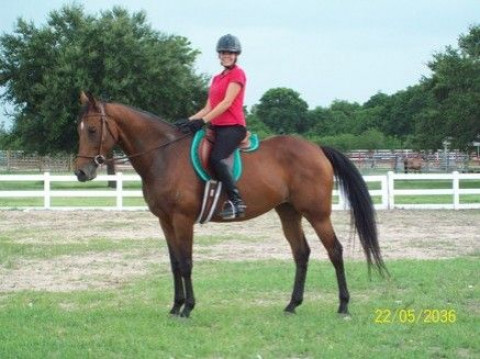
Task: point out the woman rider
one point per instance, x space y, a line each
224 113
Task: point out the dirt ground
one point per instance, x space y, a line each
403 234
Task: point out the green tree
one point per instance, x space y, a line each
404 107
254 125
114 54
343 142
371 140
344 116
455 88
375 112
322 122
283 111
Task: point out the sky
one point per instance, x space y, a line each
325 50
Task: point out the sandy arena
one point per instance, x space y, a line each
403 234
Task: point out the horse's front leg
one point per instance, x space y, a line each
180 242
179 293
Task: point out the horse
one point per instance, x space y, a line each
287 173
414 164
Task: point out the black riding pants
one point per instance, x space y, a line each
227 139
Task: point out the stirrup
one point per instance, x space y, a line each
232 210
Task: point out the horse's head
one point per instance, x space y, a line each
97 136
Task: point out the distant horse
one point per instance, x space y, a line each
287 173
413 164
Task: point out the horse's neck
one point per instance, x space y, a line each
140 135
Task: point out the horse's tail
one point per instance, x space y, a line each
351 182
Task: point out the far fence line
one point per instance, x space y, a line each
388 160
386 196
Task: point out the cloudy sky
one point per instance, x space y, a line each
325 50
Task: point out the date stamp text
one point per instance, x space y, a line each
414 316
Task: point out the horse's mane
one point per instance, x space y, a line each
147 114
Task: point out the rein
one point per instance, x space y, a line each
100 159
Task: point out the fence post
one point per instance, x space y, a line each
119 190
46 190
384 188
456 192
391 189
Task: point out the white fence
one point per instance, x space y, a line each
386 197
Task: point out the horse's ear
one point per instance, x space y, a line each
83 98
87 98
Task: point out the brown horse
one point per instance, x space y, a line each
413 164
287 173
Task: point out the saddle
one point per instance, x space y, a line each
200 153
202 147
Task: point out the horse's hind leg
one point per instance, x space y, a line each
324 229
292 228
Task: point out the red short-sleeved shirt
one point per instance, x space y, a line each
234 114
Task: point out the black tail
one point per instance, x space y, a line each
351 182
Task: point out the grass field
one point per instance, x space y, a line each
428 309
76 284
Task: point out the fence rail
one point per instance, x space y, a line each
386 197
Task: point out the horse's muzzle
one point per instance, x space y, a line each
86 171
81 176
84 176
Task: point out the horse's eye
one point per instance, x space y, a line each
92 130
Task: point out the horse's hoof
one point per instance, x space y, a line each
289 311
185 314
345 316
174 313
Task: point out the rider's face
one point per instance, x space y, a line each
227 58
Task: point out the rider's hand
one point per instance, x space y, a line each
196 124
190 126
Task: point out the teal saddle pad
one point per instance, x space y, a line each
237 159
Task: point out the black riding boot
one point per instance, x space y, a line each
234 207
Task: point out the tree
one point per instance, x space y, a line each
375 113
404 108
455 88
283 111
256 126
343 142
322 120
371 139
116 55
344 116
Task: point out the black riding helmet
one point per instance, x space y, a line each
229 43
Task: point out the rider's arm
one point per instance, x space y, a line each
202 112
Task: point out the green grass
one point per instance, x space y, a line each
239 315
11 250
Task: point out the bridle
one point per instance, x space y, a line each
100 159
